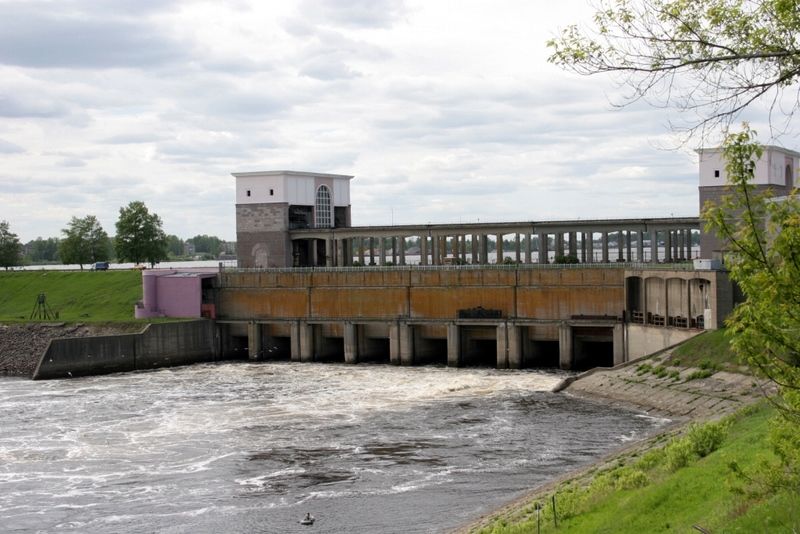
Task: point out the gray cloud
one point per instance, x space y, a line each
7 147
26 106
70 35
354 13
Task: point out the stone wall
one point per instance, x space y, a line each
262 238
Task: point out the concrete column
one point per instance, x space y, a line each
254 349
402 245
394 344
404 346
565 346
619 344
423 250
453 346
484 249
640 246
464 248
372 251
350 343
572 240
499 248
394 251
688 241
502 346
653 245
667 246
435 250
381 251
559 244
329 252
341 245
628 246
604 245
474 256
294 341
528 248
306 342
314 258
361 251
543 248
509 346
620 246
518 248
589 247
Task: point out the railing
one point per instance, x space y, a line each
470 267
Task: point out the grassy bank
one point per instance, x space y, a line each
674 485
103 296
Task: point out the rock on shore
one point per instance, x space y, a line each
22 345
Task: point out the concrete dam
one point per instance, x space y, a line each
504 316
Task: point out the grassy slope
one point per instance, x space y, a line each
713 347
699 494
105 296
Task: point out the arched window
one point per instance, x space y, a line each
323 208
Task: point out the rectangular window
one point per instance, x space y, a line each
271 192
716 173
248 192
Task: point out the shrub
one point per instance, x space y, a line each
631 478
702 373
674 374
707 438
678 453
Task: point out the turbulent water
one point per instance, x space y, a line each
252 447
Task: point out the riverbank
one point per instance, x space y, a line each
22 345
660 386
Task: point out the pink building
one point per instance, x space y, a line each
173 293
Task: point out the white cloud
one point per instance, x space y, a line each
444 113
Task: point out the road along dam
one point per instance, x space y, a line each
505 316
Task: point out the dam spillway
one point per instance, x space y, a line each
503 316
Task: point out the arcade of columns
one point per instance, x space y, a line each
584 241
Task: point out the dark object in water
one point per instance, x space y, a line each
307 520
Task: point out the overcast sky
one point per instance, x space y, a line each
445 111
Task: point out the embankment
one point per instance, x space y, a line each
683 394
673 392
158 345
22 345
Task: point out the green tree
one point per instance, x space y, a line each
174 246
140 237
762 238
10 247
206 244
711 58
84 241
42 250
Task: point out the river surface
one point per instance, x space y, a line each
250 448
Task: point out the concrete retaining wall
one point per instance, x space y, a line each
158 345
644 340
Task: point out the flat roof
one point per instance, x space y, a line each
765 147
254 174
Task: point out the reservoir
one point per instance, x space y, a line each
250 448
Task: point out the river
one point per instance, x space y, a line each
250 448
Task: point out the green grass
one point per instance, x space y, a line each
709 351
103 296
648 493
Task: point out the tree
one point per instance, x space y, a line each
174 246
206 244
42 250
10 247
762 236
712 58
84 241
139 235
